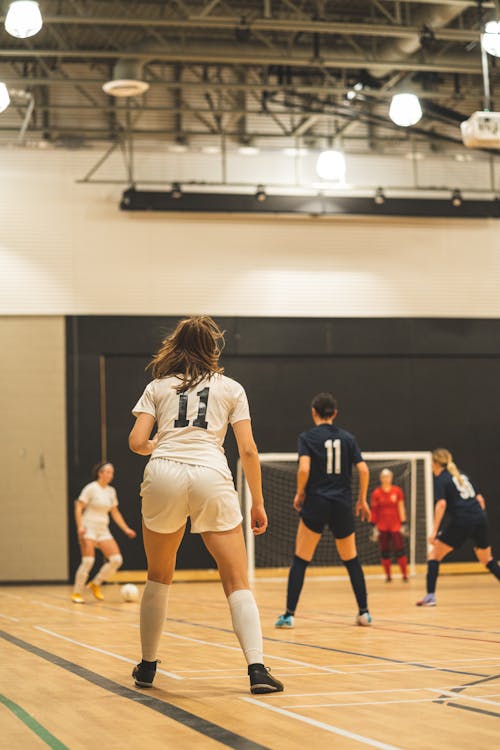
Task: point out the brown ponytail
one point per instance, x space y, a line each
443 457
191 351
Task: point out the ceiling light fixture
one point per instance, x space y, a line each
4 97
331 166
248 150
405 110
491 38
23 19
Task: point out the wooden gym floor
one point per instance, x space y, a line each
419 678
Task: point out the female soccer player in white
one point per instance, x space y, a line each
192 403
97 502
466 519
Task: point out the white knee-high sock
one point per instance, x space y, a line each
153 613
246 624
109 567
82 574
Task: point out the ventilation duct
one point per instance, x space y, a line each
127 79
433 17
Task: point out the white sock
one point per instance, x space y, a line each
246 624
107 570
82 574
153 613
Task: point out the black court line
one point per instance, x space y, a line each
389 659
474 709
187 719
446 698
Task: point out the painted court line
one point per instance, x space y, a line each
361 704
322 725
12 619
75 610
236 648
33 724
468 697
102 651
185 718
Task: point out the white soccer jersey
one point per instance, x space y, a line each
98 502
192 425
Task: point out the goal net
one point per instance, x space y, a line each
274 549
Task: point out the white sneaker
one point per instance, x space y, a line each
364 619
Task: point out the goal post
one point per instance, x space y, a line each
412 471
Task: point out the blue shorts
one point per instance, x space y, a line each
319 511
456 533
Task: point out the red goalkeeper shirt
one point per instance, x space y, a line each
384 507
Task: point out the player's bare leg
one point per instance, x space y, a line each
161 553
228 550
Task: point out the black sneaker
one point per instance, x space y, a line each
261 680
144 674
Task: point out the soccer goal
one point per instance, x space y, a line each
274 549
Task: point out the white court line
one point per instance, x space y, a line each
367 692
236 648
68 610
102 651
468 697
321 725
6 617
360 704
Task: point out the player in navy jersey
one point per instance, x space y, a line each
455 495
326 457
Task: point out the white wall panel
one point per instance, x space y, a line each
65 248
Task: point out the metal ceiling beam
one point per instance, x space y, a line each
232 23
255 58
444 91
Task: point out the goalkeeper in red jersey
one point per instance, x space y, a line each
388 516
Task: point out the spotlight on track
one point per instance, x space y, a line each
379 198
4 97
261 194
491 38
456 198
405 110
331 166
23 19
176 191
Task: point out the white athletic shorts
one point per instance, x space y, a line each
97 531
172 491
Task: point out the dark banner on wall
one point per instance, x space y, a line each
402 384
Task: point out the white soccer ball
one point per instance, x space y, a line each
129 592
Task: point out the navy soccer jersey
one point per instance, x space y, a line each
333 452
461 500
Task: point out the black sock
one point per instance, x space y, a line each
494 568
295 583
432 574
357 582
149 664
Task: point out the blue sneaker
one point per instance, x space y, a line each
429 600
364 619
284 621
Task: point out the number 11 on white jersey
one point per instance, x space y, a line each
331 447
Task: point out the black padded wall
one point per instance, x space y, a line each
402 384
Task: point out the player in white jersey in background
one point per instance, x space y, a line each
97 502
192 403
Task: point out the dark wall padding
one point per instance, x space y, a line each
402 384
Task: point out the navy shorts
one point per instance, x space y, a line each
318 512
456 533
